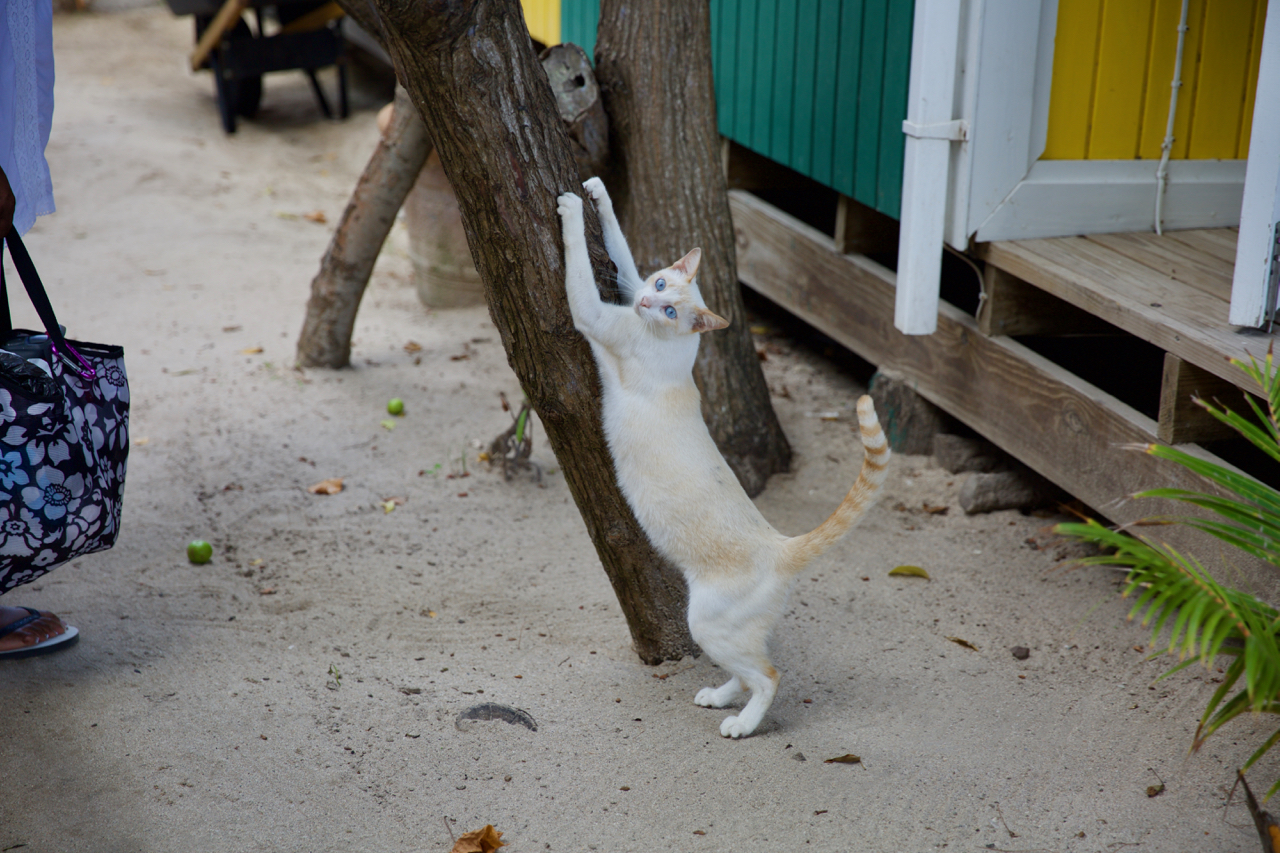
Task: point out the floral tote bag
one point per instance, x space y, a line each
64 439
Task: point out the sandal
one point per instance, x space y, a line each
68 638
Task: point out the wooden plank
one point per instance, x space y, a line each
1124 36
762 89
893 109
827 46
1181 420
1251 83
1011 306
849 113
863 229
222 22
784 78
1218 242
1066 429
870 95
744 46
1075 56
805 78
1126 294
1223 70
1175 260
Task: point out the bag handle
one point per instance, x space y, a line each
44 309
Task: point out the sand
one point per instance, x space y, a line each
300 691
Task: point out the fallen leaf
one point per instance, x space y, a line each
396 501
462 357
256 562
1155 790
965 643
232 328
909 572
388 506
413 346
699 832
284 214
271 590
331 486
139 442
316 216
847 758
251 350
480 841
936 510
388 424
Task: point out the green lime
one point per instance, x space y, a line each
199 551
395 406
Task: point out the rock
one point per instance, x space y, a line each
910 421
1016 489
494 711
958 454
1021 652
798 756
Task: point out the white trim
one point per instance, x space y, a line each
925 165
1261 203
1059 198
956 130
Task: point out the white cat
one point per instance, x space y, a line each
738 568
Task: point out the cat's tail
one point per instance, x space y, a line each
799 551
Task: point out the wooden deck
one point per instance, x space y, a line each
1170 291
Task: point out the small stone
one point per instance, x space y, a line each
1016 489
1021 652
799 756
960 454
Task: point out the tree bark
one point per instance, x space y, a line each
344 272
471 70
653 64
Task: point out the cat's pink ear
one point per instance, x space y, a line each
707 321
688 265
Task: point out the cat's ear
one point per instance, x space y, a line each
707 321
688 265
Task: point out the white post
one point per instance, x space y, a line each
930 128
1260 209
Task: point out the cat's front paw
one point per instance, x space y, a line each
595 187
734 727
569 205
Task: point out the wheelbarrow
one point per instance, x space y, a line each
290 34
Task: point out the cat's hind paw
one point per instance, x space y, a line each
717 697
569 205
736 727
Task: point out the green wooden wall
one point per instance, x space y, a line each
817 85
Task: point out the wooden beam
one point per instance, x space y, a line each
863 229
1069 431
1011 306
1181 420
314 20
222 22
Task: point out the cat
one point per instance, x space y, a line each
739 569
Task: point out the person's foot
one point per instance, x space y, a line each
25 631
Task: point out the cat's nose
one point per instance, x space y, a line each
644 302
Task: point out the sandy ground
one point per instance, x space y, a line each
201 710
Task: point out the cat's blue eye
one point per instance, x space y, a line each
670 312
660 284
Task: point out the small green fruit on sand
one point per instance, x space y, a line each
395 406
199 551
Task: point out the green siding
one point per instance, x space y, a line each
817 85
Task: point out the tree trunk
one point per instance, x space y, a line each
344 272
471 70
653 64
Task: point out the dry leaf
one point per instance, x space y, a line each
331 486
251 350
271 590
413 346
965 643
388 424
909 571
1155 790
316 216
462 357
388 506
141 441
847 758
935 510
481 841
232 328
